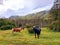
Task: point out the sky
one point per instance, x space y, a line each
23 7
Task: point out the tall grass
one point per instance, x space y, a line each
47 37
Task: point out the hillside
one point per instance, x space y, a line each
34 19
31 16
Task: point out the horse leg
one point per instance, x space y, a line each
38 35
35 35
12 32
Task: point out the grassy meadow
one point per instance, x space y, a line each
47 37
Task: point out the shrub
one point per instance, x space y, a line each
30 30
6 27
29 25
55 26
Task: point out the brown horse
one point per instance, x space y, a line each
17 29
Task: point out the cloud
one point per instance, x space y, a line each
39 9
22 7
1 2
10 4
14 4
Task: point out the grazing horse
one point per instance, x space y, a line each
37 31
17 29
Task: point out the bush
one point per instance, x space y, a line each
6 27
30 30
55 26
29 25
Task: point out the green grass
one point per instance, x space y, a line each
47 37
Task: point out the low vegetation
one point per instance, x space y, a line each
47 37
6 24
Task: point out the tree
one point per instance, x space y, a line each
55 15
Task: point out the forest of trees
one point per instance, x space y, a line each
51 20
31 19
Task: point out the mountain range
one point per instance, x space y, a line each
42 14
